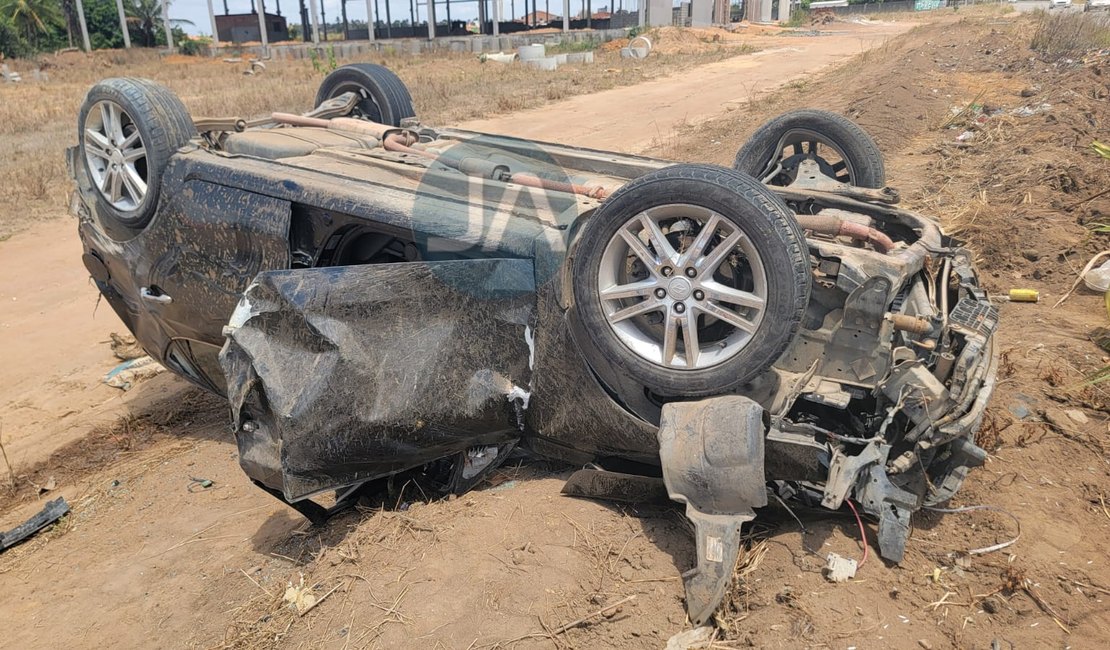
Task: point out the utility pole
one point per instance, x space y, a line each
84 26
123 24
370 13
566 15
166 24
261 28
215 31
315 23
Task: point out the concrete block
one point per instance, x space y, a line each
548 63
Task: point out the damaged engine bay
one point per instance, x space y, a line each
376 296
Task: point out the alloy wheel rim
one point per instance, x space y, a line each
116 155
682 287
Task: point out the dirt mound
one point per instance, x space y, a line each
684 40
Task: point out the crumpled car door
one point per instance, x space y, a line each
341 375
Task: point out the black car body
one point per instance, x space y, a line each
368 309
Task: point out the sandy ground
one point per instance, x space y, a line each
144 561
633 118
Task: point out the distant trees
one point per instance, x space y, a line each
144 18
34 21
29 26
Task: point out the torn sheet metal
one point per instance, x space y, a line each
345 374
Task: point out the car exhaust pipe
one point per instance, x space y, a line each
837 227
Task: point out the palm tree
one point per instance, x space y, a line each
32 17
146 17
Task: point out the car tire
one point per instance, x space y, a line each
855 160
385 98
152 124
684 199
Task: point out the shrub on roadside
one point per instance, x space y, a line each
1070 35
12 45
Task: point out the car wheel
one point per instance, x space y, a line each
128 129
384 97
691 279
841 148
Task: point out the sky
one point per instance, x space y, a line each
197 10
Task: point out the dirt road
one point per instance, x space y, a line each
145 561
633 118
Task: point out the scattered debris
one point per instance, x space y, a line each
256 67
1023 295
993 547
202 483
1098 279
49 486
839 569
125 347
129 373
7 75
695 638
606 611
300 597
1077 416
1029 111
53 511
497 57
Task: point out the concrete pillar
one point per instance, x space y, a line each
123 25
659 13
370 16
566 15
640 10
166 24
432 20
315 22
701 13
262 31
84 26
496 17
215 32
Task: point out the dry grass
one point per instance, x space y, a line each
38 118
1070 35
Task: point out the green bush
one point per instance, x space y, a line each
12 44
194 46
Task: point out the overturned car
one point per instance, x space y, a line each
374 295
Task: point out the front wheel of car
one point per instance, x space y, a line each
692 280
128 129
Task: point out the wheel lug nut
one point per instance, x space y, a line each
679 307
666 271
691 272
660 293
699 294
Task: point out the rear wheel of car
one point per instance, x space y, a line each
128 129
692 279
840 147
384 98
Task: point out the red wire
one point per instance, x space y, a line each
862 534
